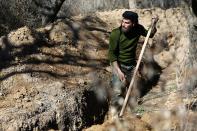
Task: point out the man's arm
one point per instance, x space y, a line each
154 29
144 32
113 46
113 54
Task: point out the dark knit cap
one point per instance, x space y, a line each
131 16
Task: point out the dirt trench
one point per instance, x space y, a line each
58 77
163 102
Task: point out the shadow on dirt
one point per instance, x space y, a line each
144 83
8 21
194 7
96 109
32 55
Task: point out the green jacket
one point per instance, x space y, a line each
122 46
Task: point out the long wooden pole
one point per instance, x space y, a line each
135 72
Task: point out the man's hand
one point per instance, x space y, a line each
155 19
117 70
121 76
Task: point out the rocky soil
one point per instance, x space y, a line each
58 77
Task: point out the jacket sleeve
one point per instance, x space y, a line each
113 46
144 32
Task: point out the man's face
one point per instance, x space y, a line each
126 25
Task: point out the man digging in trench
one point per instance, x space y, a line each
122 53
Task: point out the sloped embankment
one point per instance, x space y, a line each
47 78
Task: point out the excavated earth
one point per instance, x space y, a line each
47 78
58 77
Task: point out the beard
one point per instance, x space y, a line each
126 30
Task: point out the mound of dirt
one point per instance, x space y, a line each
47 82
129 122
